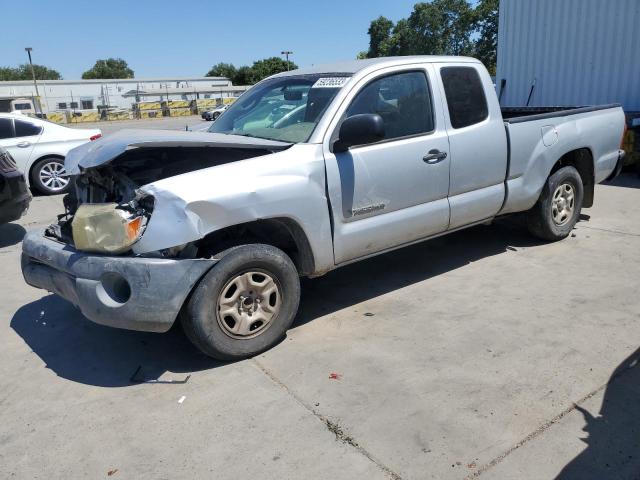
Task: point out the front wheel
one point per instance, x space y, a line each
244 304
557 210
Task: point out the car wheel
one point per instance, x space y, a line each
216 115
244 304
49 176
557 210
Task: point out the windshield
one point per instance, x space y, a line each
286 109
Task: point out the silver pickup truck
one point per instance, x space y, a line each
308 171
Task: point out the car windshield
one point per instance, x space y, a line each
286 108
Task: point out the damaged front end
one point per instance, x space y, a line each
107 212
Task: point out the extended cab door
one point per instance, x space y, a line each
478 142
391 192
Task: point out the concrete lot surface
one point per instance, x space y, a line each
484 353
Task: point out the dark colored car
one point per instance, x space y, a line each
14 193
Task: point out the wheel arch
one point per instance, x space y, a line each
280 232
582 160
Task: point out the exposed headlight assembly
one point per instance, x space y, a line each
107 227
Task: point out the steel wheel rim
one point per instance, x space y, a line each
248 304
563 204
53 176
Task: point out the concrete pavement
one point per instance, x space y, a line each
480 354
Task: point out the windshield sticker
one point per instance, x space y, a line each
330 82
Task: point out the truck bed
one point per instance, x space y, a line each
525 114
539 136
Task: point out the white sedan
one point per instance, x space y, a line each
39 148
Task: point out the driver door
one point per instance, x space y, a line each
394 191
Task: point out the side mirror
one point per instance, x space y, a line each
359 130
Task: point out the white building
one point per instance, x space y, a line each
58 95
569 52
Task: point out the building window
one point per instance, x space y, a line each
62 105
206 95
87 104
73 105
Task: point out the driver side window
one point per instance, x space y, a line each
403 100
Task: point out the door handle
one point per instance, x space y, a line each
23 144
434 156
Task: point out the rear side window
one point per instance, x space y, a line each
403 100
6 128
25 129
465 96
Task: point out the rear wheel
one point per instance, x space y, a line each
245 304
557 210
49 176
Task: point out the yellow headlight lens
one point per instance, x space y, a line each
103 228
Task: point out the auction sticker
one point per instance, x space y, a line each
330 82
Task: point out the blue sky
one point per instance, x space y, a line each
185 38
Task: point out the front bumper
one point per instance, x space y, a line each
14 197
133 293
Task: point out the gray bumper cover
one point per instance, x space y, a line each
157 287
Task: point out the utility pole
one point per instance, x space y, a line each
33 74
286 53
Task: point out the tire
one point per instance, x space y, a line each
215 116
46 176
557 210
255 320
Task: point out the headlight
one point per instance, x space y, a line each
104 228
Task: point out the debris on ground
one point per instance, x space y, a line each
335 376
182 398
112 472
369 314
138 377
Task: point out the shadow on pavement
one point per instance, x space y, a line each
613 441
81 351
628 180
370 278
11 234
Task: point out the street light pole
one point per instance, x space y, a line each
286 53
33 74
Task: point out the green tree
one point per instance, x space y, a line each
440 27
243 76
109 68
486 25
223 70
23 72
379 37
269 66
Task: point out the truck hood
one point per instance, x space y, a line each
107 149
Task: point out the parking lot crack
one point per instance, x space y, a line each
332 426
618 232
545 426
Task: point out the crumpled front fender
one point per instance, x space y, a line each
288 184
